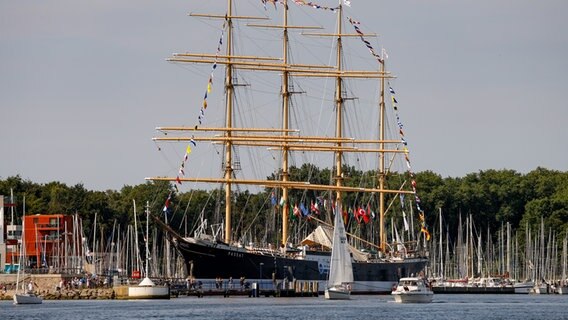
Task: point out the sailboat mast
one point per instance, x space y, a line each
285 125
441 248
339 108
564 252
228 123
136 236
22 245
11 207
146 270
95 244
508 249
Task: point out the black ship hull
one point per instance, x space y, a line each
208 260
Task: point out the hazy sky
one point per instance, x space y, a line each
83 84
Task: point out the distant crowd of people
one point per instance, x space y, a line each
87 281
220 284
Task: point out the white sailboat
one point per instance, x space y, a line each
341 268
27 294
147 289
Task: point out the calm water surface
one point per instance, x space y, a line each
479 307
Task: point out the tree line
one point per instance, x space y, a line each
491 197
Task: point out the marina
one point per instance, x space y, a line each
309 195
473 290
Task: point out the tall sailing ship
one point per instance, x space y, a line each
287 133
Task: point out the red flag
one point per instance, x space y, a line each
167 205
314 208
296 210
366 216
360 214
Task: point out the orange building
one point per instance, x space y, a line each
45 237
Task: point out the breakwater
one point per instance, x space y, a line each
73 294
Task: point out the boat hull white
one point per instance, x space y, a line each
413 290
148 290
539 289
337 294
27 299
413 297
142 292
524 288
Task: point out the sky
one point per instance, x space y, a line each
83 84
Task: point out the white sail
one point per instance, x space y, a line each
341 269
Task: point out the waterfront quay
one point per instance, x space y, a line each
81 287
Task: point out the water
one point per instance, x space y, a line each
479 307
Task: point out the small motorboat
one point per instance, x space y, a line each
413 290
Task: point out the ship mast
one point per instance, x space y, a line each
339 111
382 175
229 96
228 124
285 125
285 132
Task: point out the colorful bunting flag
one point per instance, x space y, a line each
201 116
296 211
292 214
355 25
407 160
366 218
167 204
314 208
315 5
304 210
